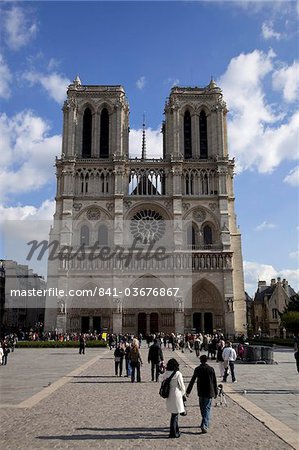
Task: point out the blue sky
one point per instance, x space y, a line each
250 48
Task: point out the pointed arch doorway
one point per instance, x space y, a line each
142 323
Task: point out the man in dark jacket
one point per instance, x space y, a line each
155 356
206 390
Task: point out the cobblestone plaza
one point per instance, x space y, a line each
59 399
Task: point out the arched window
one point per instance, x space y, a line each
84 235
187 136
191 236
207 235
86 136
203 135
104 138
103 235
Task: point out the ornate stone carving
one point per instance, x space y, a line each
167 203
93 214
77 206
213 206
186 206
199 215
127 204
109 206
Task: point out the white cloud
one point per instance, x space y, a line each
294 255
268 31
153 143
27 153
253 272
258 137
19 29
172 81
265 226
54 83
293 177
286 79
140 83
22 224
28 212
5 78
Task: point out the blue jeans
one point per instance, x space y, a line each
205 404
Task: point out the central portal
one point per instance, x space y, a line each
142 323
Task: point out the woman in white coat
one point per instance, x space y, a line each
174 403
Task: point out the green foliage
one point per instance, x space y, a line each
293 304
59 344
290 320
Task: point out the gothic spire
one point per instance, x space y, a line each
143 154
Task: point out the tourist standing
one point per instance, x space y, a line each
175 403
135 361
206 390
6 350
229 357
119 354
82 344
155 356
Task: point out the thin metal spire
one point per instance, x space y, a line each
143 154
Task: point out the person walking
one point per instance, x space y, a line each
82 344
174 402
197 346
229 357
206 390
219 358
155 356
119 354
6 350
135 361
1 353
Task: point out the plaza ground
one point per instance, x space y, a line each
56 398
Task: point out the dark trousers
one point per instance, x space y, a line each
119 365
135 367
82 349
4 359
155 367
174 425
232 371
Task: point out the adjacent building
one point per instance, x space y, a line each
268 303
21 309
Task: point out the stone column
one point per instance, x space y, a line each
117 323
179 322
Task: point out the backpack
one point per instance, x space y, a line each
165 386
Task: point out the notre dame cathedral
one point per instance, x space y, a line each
146 245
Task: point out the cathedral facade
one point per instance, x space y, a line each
145 245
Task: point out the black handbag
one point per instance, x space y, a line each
165 386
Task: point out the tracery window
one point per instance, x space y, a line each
203 135
104 137
103 235
207 235
86 133
84 235
187 136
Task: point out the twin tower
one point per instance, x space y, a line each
182 202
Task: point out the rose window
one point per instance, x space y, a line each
147 225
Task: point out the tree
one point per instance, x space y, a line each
290 320
293 304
